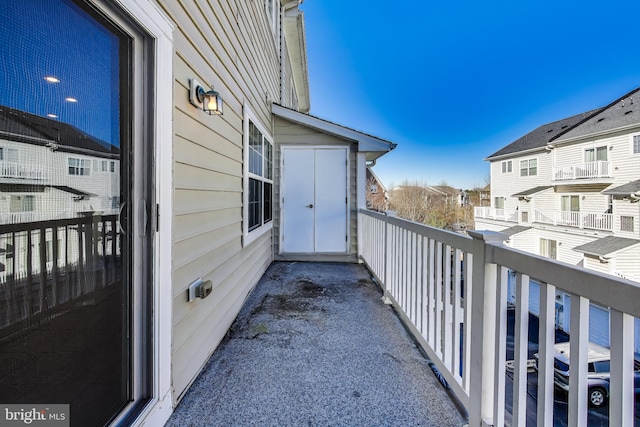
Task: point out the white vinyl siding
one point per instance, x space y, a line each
233 47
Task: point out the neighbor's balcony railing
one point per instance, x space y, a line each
494 213
48 266
577 219
22 171
451 291
588 170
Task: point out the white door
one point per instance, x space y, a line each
314 204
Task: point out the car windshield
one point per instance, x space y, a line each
603 366
560 365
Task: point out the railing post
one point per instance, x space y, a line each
482 332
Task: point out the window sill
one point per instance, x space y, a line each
253 235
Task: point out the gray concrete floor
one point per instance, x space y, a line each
315 346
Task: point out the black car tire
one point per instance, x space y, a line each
597 397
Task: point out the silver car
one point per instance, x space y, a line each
598 376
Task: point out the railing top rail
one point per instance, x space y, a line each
451 238
27 226
618 293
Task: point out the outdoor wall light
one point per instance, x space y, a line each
209 100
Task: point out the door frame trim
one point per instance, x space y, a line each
347 149
159 29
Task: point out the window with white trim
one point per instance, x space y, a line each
9 154
499 202
549 248
24 203
507 166
529 167
595 154
570 203
79 166
626 223
635 144
258 189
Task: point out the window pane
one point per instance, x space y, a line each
255 150
533 167
601 154
575 203
636 144
255 202
589 155
524 168
267 202
268 160
626 223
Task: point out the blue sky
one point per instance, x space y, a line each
453 82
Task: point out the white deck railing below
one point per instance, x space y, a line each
451 291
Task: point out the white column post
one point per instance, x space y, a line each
482 328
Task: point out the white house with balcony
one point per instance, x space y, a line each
568 191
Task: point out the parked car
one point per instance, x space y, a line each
598 376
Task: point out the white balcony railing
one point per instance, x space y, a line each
21 171
497 214
590 220
588 170
451 291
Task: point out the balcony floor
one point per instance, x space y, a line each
315 345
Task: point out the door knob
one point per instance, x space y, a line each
310 206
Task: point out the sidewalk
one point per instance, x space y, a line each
315 346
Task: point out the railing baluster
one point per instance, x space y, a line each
456 311
520 351
448 308
424 273
438 306
500 350
545 355
466 354
621 399
579 341
432 295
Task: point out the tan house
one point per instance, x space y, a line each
220 169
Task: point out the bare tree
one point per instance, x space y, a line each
420 203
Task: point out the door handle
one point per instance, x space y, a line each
310 206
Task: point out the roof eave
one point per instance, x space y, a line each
593 135
295 35
515 154
373 146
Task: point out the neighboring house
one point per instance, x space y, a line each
152 199
569 190
377 196
485 196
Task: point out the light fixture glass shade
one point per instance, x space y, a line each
211 101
